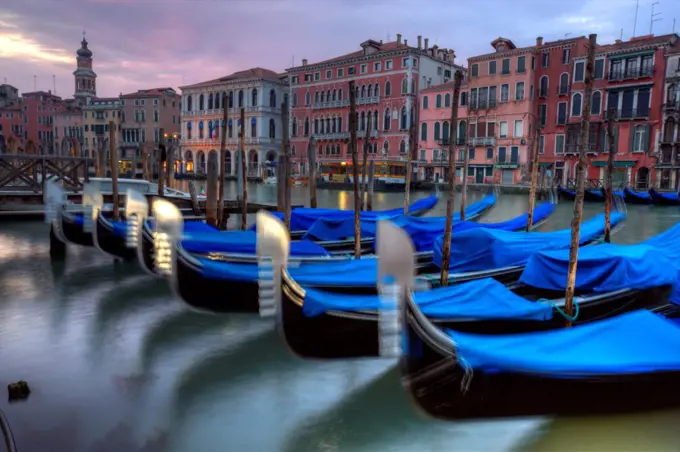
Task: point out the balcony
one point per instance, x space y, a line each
479 104
333 136
337 103
543 93
460 141
633 113
233 140
630 74
483 141
367 100
671 106
563 90
573 148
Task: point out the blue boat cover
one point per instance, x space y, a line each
363 272
481 299
644 195
120 227
485 249
603 268
595 192
423 230
635 342
302 218
669 196
241 242
667 243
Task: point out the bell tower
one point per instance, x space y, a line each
86 87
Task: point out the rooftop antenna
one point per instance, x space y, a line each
566 35
621 35
652 19
35 81
637 6
673 26
54 84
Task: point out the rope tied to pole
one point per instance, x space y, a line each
571 319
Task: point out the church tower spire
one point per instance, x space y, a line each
86 87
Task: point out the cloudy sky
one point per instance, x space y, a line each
149 43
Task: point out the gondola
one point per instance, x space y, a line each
637 197
566 193
664 199
320 324
197 278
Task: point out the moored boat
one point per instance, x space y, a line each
637 197
664 199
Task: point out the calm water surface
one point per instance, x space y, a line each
116 363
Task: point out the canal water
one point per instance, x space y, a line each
116 363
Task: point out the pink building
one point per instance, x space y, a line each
501 113
320 102
11 128
68 131
39 107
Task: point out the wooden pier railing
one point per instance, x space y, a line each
19 172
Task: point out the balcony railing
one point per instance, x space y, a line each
483 141
573 148
367 100
507 160
334 104
333 136
630 74
562 90
671 106
460 141
476 104
233 140
633 113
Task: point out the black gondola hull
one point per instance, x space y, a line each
434 380
660 200
355 334
112 244
632 199
73 231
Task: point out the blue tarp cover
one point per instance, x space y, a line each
481 299
635 342
670 196
485 249
362 272
240 242
602 268
423 230
638 194
302 218
120 227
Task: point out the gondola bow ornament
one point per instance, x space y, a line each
273 245
168 228
136 212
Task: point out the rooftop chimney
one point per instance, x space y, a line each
420 42
405 42
539 41
618 41
399 38
426 41
304 61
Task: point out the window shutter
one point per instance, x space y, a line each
603 139
648 133
616 139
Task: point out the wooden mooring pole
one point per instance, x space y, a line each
311 159
580 181
534 179
371 178
446 248
211 190
364 169
221 216
609 190
113 162
244 170
193 193
162 158
464 181
285 124
355 167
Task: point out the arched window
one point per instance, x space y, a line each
439 101
216 130
564 83
328 125
189 99
201 102
543 87
200 129
423 132
668 129
240 98
334 125
285 98
335 94
210 127
370 90
316 97
447 100
402 147
189 129
576 104
322 127
323 97
316 126
404 87
388 88
363 120
295 127
376 90
446 133
596 103
363 91
210 101
295 99
253 127
328 96
340 94
231 99
272 98
253 97
437 130
339 124
426 101
376 123
463 99
308 98
403 123
387 120
307 126
386 147
461 136
272 129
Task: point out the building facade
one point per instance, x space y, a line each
261 92
39 109
668 165
84 76
96 116
12 130
145 115
68 133
388 76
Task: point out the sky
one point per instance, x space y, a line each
140 44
